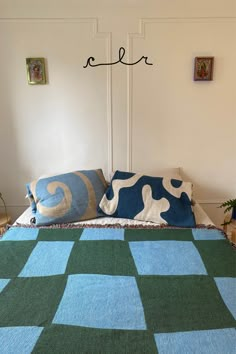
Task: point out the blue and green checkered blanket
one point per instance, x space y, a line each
115 290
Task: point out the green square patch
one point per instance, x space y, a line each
31 301
158 234
177 304
101 257
13 256
218 256
57 339
58 234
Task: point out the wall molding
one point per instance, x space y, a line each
141 34
96 34
15 206
210 201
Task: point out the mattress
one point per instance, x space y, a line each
200 216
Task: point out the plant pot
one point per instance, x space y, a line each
234 213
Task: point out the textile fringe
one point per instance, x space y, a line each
114 226
118 226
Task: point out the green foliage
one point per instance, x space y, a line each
228 205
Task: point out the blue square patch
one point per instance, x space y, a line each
3 283
102 234
204 342
47 258
167 258
227 289
19 340
101 301
207 234
20 234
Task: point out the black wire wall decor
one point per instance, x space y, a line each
121 56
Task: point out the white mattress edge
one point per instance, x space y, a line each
200 216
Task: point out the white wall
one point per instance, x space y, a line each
118 117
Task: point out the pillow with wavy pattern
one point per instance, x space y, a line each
67 197
160 200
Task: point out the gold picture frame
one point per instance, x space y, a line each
203 68
36 71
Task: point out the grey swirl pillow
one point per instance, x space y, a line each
67 197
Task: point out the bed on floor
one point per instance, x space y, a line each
132 276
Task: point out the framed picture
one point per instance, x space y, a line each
36 71
203 68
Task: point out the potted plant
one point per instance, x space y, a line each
4 218
229 205
4 204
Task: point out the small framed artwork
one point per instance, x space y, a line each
36 71
203 68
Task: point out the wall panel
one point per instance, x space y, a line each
118 117
179 122
61 126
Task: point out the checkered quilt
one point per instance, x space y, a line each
114 290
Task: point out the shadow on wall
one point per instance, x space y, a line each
204 190
13 174
209 205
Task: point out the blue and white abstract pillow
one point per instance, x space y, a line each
158 199
67 197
